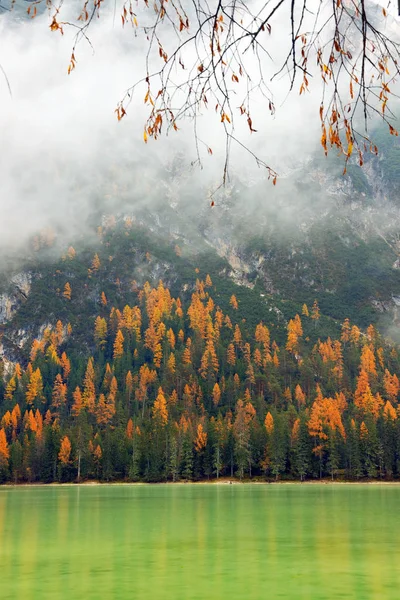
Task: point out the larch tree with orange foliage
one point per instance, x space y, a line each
77 405
34 389
355 335
67 293
367 361
209 366
346 328
200 441
89 390
105 409
64 455
300 396
118 345
160 410
96 264
233 302
364 399
216 393
392 385
100 332
292 344
231 355
4 455
237 336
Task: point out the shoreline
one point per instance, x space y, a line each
215 482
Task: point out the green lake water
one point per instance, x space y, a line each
207 542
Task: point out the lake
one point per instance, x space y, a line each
171 542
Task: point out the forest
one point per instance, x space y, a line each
176 389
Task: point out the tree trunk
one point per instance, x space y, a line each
79 466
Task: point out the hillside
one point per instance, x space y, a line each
109 373
172 340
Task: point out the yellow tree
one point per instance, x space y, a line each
160 410
293 334
186 355
364 400
231 355
346 329
66 365
67 291
71 253
233 302
269 423
100 332
200 441
257 357
355 334
10 388
209 362
95 263
262 336
4 450
64 455
299 396
391 385
77 405
171 338
108 375
34 389
237 335
89 390
153 335
216 394
367 362
389 412
118 345
171 364
129 429
105 409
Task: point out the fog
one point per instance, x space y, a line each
66 157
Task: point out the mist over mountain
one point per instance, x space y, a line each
69 166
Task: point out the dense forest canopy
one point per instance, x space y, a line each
173 387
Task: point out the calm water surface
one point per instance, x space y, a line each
200 542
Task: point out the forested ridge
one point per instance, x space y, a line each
178 389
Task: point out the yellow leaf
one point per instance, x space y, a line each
349 148
145 137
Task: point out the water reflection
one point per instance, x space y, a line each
190 542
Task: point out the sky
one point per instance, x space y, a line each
60 134
64 153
